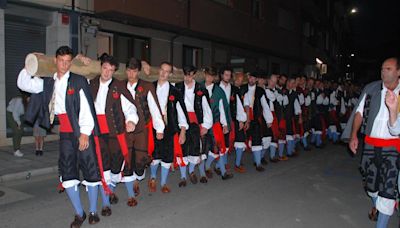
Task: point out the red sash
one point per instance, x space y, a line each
219 137
193 118
232 136
274 126
178 152
282 129
333 116
65 124
377 142
102 120
100 162
251 113
124 147
150 142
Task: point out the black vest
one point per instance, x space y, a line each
38 107
174 96
199 92
258 94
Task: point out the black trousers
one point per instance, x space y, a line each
71 159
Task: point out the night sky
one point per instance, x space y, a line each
374 36
375 29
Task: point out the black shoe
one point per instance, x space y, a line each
106 211
227 176
40 152
37 153
203 180
93 218
78 221
217 171
260 168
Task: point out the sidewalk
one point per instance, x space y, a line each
14 168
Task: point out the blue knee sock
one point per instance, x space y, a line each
292 146
335 136
257 157
75 199
104 197
313 138
183 171
281 149
93 192
153 171
319 140
225 158
239 154
112 187
263 152
201 169
288 147
129 189
210 159
164 175
191 167
329 133
374 200
221 166
272 152
383 220
304 141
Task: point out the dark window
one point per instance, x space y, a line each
126 46
192 56
256 8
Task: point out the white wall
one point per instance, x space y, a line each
57 34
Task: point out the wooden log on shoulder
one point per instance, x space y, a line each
44 66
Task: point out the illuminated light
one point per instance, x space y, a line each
352 55
353 10
318 61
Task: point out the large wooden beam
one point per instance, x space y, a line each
44 66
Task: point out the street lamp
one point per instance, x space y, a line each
353 10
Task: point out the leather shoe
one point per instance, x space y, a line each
227 176
209 174
131 202
203 180
193 178
78 221
182 183
274 160
284 158
93 218
113 198
152 185
106 211
260 168
165 189
373 214
240 169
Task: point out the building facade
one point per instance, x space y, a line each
277 36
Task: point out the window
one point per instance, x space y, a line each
192 56
127 46
256 8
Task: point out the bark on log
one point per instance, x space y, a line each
44 66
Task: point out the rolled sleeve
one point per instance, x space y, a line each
158 123
129 110
28 84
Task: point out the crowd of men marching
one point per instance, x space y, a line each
115 130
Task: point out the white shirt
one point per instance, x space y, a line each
248 100
297 107
129 109
35 85
16 107
162 95
240 113
189 102
380 128
395 129
156 117
222 115
271 97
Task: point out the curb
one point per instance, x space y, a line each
28 174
